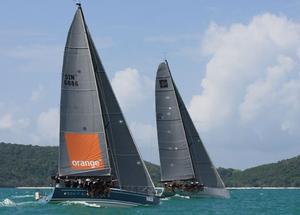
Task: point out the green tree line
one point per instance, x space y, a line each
27 165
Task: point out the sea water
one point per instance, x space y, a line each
242 201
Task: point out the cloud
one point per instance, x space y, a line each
9 122
16 126
37 94
6 121
133 90
47 127
249 105
104 42
172 38
252 71
131 87
146 139
34 57
144 132
22 33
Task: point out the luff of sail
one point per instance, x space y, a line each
175 159
83 144
127 167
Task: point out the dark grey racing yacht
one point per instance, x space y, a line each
186 167
98 159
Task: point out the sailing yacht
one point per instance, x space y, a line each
98 159
186 167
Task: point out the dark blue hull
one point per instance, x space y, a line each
116 197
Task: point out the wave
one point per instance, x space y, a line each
22 196
184 197
10 203
7 203
165 199
263 188
93 205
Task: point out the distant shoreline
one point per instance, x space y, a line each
26 188
229 188
29 166
263 188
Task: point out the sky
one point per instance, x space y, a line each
235 63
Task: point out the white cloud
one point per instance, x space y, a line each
9 122
143 132
145 137
104 42
15 126
6 121
37 94
22 33
252 74
47 127
267 93
171 38
35 58
131 87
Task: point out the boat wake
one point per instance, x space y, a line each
22 196
10 203
7 203
82 203
184 197
165 198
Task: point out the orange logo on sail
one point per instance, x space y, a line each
84 151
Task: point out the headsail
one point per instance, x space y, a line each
83 144
127 167
204 169
174 153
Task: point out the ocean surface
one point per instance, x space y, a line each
242 201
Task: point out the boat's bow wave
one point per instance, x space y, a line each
181 196
22 196
81 203
165 199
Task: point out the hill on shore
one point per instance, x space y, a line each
27 165
285 173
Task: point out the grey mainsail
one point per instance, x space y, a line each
83 144
175 159
204 170
123 159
